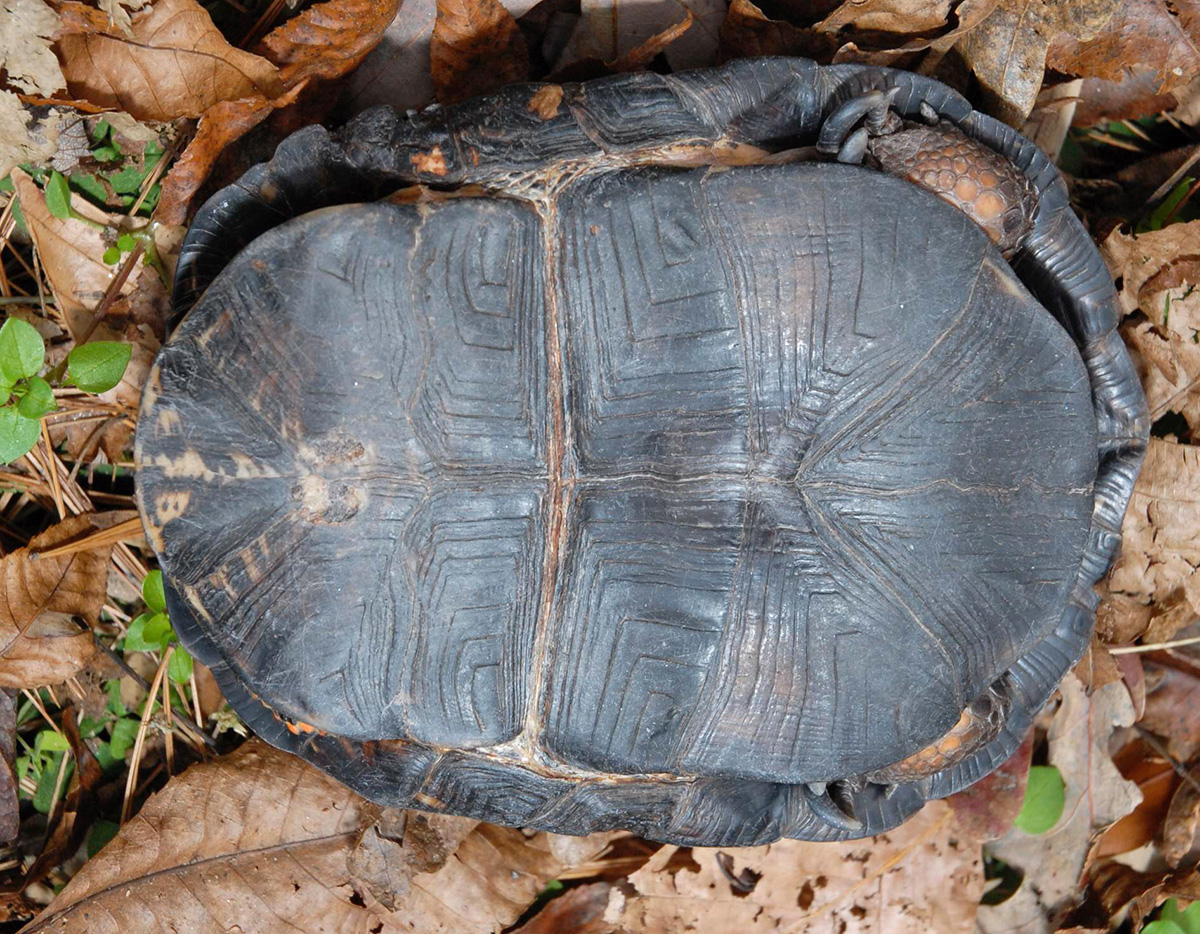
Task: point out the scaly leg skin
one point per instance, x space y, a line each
939 157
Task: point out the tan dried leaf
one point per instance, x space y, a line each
118 12
21 139
1096 797
39 641
904 17
27 28
1158 272
476 48
1007 51
1162 36
1161 550
261 841
924 876
175 64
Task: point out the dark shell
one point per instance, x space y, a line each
623 495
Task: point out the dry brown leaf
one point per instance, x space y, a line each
1173 707
1155 780
1160 35
1179 828
577 911
1161 550
118 12
476 47
221 125
1007 51
1158 271
21 138
1120 887
904 17
27 28
924 876
328 39
260 841
40 643
987 809
747 32
1096 796
176 64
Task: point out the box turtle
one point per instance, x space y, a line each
723 456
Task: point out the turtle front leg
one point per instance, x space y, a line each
975 178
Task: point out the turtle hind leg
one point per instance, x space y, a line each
934 154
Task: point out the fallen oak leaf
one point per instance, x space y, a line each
175 64
27 28
1160 36
1183 814
477 47
924 875
39 642
1096 796
1119 887
1007 50
273 853
22 139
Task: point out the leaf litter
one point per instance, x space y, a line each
85 702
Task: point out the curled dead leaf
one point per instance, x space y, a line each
40 643
328 39
176 63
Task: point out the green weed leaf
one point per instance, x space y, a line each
179 668
1187 921
111 256
22 351
1044 798
38 400
98 366
124 732
50 741
18 434
1163 927
152 592
58 195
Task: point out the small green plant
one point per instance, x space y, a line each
26 396
1173 921
38 768
152 631
1045 795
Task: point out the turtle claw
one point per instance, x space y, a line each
854 150
928 114
835 813
874 109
